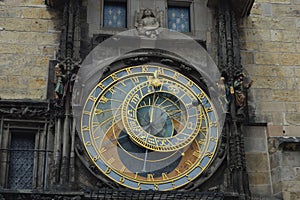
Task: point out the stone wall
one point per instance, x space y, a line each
29 36
270 43
270 51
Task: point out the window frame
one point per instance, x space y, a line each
182 3
102 27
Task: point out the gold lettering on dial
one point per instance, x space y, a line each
164 176
110 161
108 170
150 177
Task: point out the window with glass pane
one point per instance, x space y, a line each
179 18
21 161
114 14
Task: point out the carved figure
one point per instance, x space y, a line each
240 88
148 22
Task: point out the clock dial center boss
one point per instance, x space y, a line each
149 127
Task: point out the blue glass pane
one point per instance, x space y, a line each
179 19
114 15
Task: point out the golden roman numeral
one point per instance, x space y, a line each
150 177
145 68
108 170
103 99
123 169
103 149
188 162
85 128
111 160
164 176
196 153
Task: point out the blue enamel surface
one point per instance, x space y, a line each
195 172
211 146
204 161
85 120
214 132
86 136
107 81
114 15
179 19
88 106
97 92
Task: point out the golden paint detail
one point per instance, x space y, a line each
113 122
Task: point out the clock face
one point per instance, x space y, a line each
149 127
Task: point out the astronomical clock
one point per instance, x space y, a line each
150 123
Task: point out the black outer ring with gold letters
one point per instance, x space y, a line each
102 130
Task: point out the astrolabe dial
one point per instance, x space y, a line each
164 117
149 128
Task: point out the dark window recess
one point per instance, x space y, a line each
21 161
114 14
179 18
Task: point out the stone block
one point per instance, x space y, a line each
257 35
39 25
3 82
41 60
269 82
31 12
36 83
247 57
291 107
272 106
286 95
281 1
292 118
47 38
275 160
297 71
257 162
276 175
37 94
12 49
266 58
277 118
290 59
277 189
270 46
291 186
287 173
260 190
249 46
274 130
49 14
261 178
292 130
276 35
253 144
262 95
292 84
17 24
16 83
266 9
54 25
291 36
291 158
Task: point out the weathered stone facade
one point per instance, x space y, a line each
270 54
29 38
